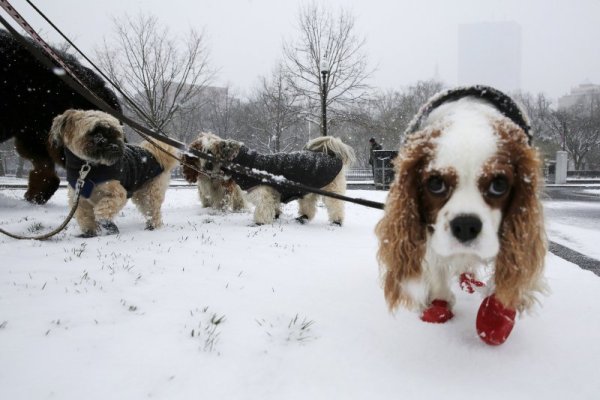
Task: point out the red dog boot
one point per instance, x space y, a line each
494 321
437 313
468 283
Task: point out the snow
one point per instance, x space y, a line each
301 308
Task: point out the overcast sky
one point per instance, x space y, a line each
406 40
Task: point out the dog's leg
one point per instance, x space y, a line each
335 208
267 202
237 198
43 181
149 200
108 198
307 208
436 276
84 215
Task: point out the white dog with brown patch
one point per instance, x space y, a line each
465 197
118 170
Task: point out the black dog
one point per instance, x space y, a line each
31 95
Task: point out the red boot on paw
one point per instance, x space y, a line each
437 313
468 283
494 321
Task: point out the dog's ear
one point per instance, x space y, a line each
190 164
59 125
523 244
402 232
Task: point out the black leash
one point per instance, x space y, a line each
85 169
46 54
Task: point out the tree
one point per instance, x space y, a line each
160 72
324 34
577 128
275 110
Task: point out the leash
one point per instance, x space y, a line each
75 83
83 172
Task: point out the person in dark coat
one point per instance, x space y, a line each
374 146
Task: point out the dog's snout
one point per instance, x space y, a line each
465 227
99 139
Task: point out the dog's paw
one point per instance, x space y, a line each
303 219
494 321
336 223
87 234
108 228
437 313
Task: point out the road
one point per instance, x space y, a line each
577 206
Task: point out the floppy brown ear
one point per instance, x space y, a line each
402 231
59 125
191 164
523 245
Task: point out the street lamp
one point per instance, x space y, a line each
324 73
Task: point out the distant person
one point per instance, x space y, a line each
374 146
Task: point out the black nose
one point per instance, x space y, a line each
465 227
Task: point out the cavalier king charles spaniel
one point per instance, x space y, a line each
465 197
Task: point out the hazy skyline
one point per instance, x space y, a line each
406 41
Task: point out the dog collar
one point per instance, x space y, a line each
496 98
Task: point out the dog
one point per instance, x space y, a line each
322 164
31 95
465 195
215 189
118 170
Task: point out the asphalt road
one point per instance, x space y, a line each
583 210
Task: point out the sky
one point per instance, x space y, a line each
406 41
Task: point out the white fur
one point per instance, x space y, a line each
465 122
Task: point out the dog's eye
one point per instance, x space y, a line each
436 185
208 165
498 186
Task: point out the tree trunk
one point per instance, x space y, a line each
2 171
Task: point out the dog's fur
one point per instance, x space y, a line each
98 138
215 189
467 162
267 199
31 95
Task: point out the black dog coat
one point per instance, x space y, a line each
309 168
136 167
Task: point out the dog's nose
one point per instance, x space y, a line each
465 227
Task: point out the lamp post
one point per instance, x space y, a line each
324 73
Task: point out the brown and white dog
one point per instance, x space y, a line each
118 170
465 196
322 164
215 189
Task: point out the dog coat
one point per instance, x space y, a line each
136 167
309 168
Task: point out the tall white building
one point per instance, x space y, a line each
489 53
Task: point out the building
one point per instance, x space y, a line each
578 94
489 53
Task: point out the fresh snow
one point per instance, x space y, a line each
211 307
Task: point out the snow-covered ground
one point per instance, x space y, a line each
210 307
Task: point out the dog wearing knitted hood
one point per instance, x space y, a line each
118 170
321 164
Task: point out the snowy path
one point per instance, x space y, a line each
300 315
